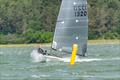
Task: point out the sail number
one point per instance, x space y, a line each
80 10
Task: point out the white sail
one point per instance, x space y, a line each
72 26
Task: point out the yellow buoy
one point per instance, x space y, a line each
74 53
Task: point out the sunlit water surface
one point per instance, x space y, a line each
16 64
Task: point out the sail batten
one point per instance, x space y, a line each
72 26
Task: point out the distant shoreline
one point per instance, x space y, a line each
90 42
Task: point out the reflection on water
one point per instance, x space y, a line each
102 63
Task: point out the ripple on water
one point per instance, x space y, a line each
35 76
40 76
1 52
19 66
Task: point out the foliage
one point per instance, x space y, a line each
104 19
33 21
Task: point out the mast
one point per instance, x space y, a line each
71 27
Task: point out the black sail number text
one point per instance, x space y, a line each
80 10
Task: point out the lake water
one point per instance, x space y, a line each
16 64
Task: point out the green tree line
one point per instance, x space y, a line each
33 21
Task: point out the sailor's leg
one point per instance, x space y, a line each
84 50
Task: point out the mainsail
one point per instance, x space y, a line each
71 27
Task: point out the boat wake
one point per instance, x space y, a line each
36 57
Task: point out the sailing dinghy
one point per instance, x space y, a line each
71 28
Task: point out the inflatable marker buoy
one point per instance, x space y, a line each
74 53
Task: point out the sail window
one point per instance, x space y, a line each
74 3
77 21
62 22
77 38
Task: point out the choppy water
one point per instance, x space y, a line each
16 64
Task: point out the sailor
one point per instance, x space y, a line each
38 55
41 51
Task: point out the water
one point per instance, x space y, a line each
16 64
